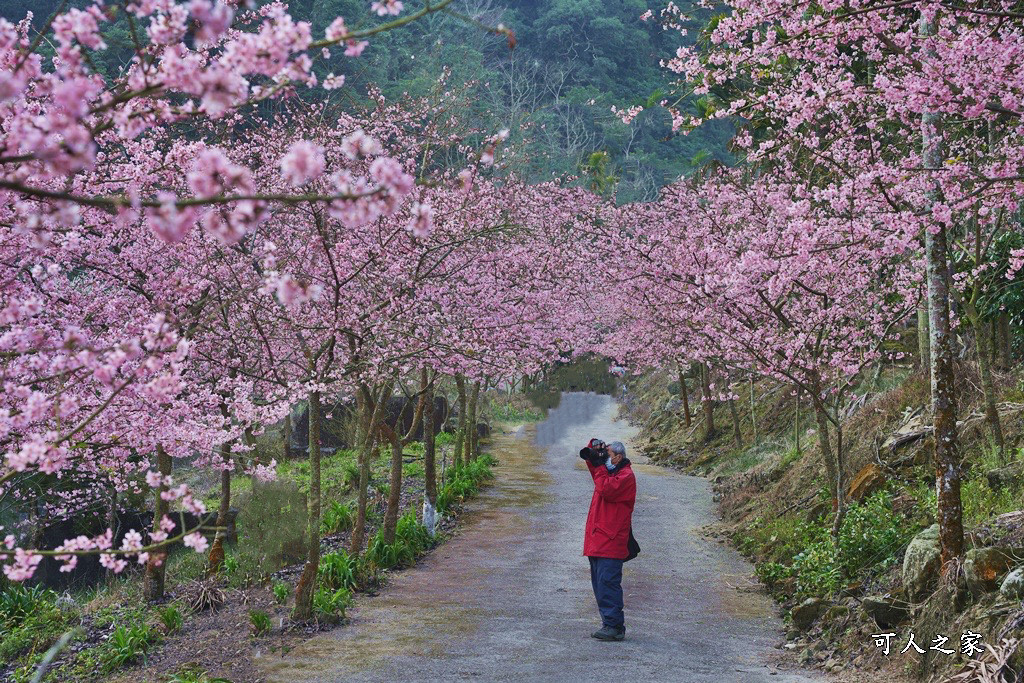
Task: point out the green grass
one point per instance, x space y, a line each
339 570
170 616
337 517
131 639
31 622
465 482
872 538
260 622
191 674
413 470
329 604
338 472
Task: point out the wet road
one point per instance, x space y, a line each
509 598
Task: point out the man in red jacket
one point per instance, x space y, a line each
607 535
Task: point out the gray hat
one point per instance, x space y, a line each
617 448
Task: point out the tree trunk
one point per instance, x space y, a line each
736 434
1006 359
947 456
287 435
371 412
796 424
832 460
982 331
429 466
306 586
923 342
156 566
216 557
473 436
460 434
753 414
707 403
394 485
429 447
683 394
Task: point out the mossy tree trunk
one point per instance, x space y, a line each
429 445
156 566
923 339
306 586
395 483
832 458
287 435
737 436
685 396
1005 353
707 403
460 434
948 468
984 347
473 435
216 556
371 412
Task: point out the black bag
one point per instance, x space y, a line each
632 547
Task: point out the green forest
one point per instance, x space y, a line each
572 61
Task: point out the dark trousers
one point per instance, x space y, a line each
606 577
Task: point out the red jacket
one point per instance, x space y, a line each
611 512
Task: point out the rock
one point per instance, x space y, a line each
885 610
793 633
1013 585
913 428
806 612
984 567
867 481
836 612
1004 476
805 656
921 563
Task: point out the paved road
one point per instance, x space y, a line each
509 598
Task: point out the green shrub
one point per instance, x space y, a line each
410 531
281 592
193 675
381 555
18 602
27 627
413 469
331 604
230 565
411 540
338 517
127 644
516 408
271 528
873 535
871 539
170 617
465 481
338 570
350 475
444 439
260 621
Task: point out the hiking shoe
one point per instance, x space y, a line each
609 633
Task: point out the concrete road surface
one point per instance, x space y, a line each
509 597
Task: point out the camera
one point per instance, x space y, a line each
595 452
